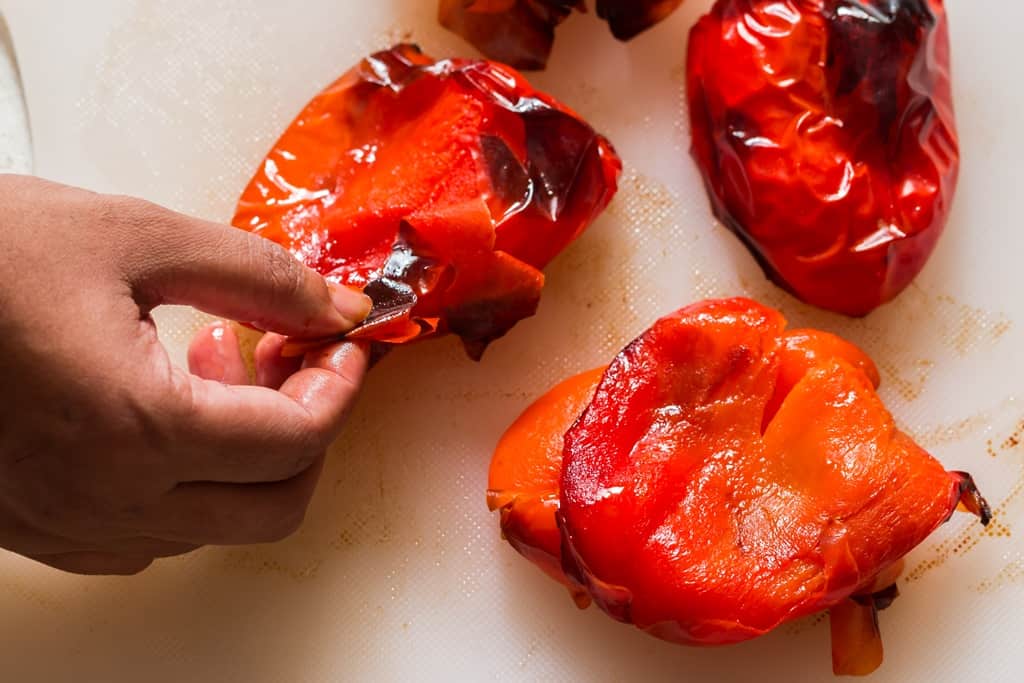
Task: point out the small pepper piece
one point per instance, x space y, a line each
439 188
725 476
826 136
629 18
521 33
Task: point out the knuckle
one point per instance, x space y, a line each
127 212
285 274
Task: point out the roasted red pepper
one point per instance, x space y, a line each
522 32
826 136
722 476
440 188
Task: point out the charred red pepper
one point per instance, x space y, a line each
722 476
439 188
522 32
826 136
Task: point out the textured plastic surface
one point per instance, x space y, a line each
399 573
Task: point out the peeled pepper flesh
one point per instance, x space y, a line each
722 476
439 188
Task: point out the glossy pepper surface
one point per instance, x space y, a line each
722 476
826 136
522 32
439 188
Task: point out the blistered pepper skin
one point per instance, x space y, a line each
521 33
826 136
439 188
725 476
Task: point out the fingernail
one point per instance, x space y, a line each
353 305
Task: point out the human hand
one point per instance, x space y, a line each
110 456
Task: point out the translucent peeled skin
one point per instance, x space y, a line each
721 477
826 136
440 188
521 33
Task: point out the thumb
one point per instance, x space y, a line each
234 274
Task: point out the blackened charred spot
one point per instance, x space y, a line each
972 500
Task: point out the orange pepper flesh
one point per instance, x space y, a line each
725 476
826 136
526 468
440 188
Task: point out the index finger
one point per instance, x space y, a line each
231 273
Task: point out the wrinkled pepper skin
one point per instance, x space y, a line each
439 188
521 33
826 136
723 476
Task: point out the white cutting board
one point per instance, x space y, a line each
399 573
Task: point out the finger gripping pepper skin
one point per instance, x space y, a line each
439 188
522 32
826 136
725 476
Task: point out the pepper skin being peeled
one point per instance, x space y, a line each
825 133
723 476
439 188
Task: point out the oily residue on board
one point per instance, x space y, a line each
971 326
808 623
1000 527
29 594
908 380
602 272
953 432
254 562
1012 573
